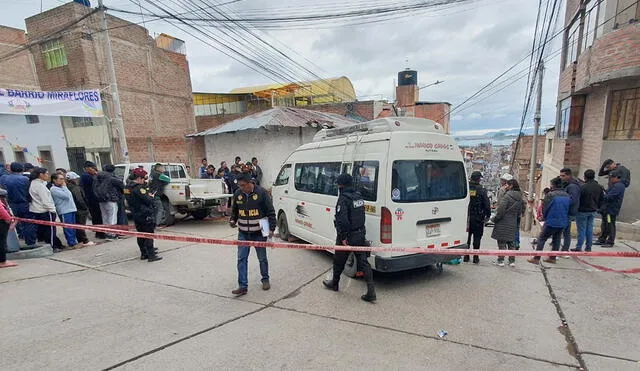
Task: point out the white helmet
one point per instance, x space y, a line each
506 177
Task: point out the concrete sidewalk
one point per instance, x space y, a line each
102 308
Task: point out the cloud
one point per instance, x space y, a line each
466 46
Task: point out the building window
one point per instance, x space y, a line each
81 122
47 160
571 42
32 119
590 23
283 177
19 157
624 121
571 116
365 179
627 11
54 54
549 145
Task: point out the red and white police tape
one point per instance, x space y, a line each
123 230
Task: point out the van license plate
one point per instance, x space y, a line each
432 230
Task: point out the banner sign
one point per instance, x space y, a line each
82 103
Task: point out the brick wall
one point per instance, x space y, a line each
438 112
18 71
592 129
615 55
154 84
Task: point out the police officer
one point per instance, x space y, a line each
477 213
252 206
349 223
141 204
158 182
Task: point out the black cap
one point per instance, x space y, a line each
615 174
476 175
344 179
109 168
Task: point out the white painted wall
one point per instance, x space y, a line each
47 133
270 147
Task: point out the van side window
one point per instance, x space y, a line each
365 179
319 177
283 176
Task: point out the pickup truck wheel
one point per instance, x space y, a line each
200 214
283 227
351 266
169 219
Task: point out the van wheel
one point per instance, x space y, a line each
351 266
283 227
169 219
200 214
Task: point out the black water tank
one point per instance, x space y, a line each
407 77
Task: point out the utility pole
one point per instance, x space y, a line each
117 110
534 153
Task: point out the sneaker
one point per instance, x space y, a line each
240 291
90 243
498 263
566 256
266 285
329 284
598 242
534 261
576 250
550 260
154 258
606 245
512 265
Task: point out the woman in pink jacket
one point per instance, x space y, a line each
6 223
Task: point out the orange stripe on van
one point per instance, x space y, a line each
328 209
456 242
431 246
444 244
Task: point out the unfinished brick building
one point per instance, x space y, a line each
153 82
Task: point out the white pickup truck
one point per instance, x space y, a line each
183 194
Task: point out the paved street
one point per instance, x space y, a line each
102 308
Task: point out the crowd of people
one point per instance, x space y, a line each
231 174
34 193
566 201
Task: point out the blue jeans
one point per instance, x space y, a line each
69 233
584 223
243 257
566 235
554 233
21 210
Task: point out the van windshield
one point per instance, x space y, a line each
427 180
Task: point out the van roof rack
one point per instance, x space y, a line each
387 124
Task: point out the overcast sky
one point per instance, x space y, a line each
465 46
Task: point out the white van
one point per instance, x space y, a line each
410 174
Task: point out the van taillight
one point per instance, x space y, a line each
187 192
385 226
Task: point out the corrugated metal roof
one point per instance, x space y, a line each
280 116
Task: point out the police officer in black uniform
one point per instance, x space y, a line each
349 223
478 212
251 204
141 204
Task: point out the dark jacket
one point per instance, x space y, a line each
479 206
140 203
107 187
555 209
510 208
258 174
613 198
17 187
78 197
248 209
625 174
350 216
574 191
86 182
591 195
158 182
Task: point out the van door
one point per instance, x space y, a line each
281 194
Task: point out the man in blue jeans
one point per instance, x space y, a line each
555 211
572 187
252 206
591 196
